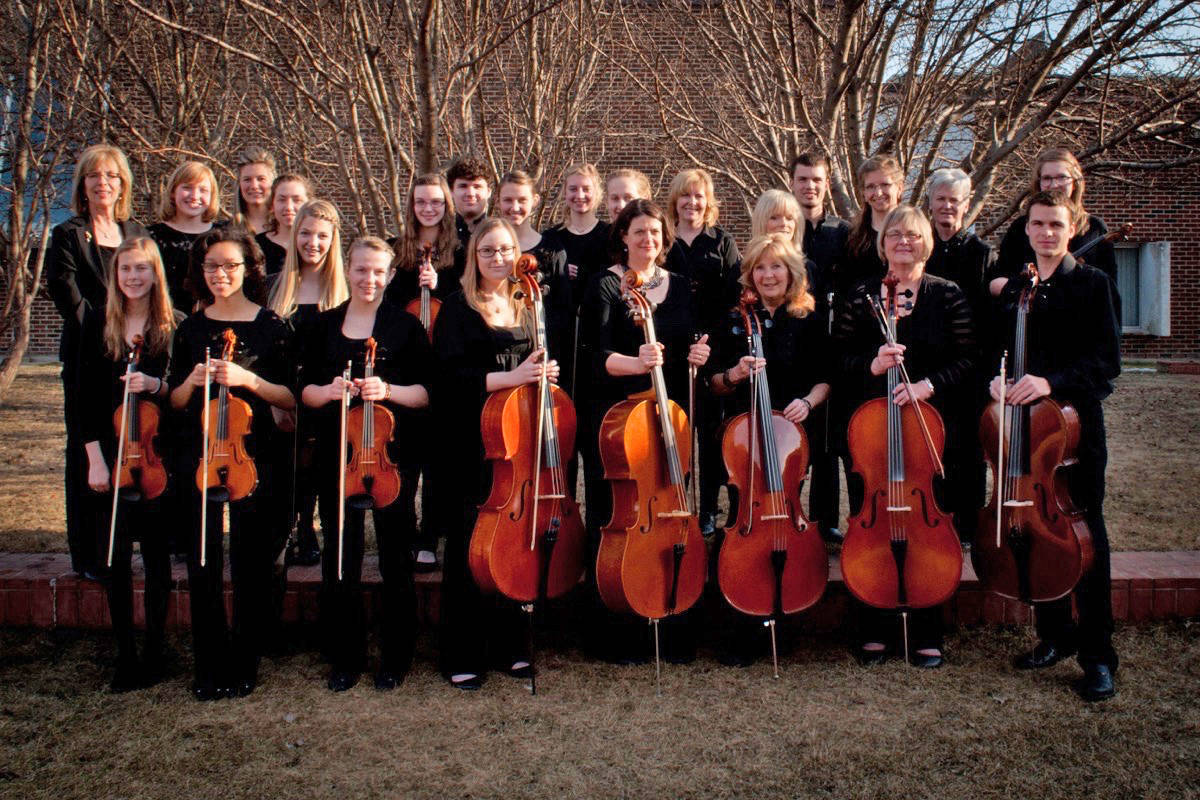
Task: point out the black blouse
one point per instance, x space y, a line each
404 287
616 332
712 266
939 335
403 357
264 346
273 254
100 382
176 249
587 251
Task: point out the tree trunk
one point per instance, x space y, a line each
16 354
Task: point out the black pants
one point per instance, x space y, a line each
710 413
925 628
342 612
1092 636
225 656
824 498
141 521
82 537
477 631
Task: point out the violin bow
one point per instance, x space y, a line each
116 474
881 317
204 457
344 403
1001 479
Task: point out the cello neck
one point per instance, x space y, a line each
674 465
549 443
766 424
895 430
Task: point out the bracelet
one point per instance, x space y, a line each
929 383
807 404
387 393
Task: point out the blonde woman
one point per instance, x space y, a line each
622 187
255 170
288 193
190 204
77 267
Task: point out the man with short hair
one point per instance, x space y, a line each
1073 356
471 189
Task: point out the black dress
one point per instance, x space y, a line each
403 357
939 335
265 348
476 631
138 519
1073 341
176 250
77 272
273 254
404 287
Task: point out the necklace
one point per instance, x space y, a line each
654 281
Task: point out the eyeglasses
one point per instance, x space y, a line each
487 252
1056 180
429 203
233 266
111 177
902 236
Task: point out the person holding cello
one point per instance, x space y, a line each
483 344
641 237
125 349
935 342
391 364
796 366
242 352
1073 356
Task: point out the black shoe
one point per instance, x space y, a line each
523 672
736 658
246 687
204 691
928 662
833 535
471 683
1096 684
386 680
425 561
128 678
341 681
870 658
708 524
1042 656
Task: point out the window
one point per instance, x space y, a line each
1144 282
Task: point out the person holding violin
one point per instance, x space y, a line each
796 366
935 341
641 237
429 229
137 319
483 343
228 277
288 193
77 266
1073 356
391 365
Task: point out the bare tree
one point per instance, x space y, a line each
935 82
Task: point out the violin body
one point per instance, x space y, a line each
635 567
141 469
1045 546
425 308
746 571
508 545
931 552
229 465
369 469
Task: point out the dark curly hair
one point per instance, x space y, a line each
467 168
638 208
254 285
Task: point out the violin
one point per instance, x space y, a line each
901 550
426 307
652 559
138 470
772 561
226 470
1033 544
528 539
369 471
1121 234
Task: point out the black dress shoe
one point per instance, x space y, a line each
708 524
341 681
928 662
523 672
204 691
1096 684
425 561
1042 656
833 535
386 680
246 687
128 677
870 658
471 683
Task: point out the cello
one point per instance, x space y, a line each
226 470
772 561
901 550
426 307
528 539
652 559
1033 544
139 470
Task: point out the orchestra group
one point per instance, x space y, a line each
242 375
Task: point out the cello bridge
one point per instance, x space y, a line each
680 513
1018 503
899 508
769 517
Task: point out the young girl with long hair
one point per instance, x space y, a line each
255 170
288 193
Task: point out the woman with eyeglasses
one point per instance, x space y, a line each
77 269
935 341
484 342
228 278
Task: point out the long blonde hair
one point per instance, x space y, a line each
798 300
251 155
408 246
470 278
331 273
160 324
89 159
772 202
